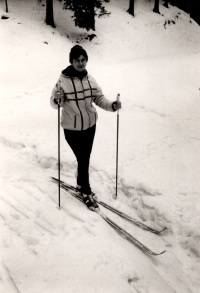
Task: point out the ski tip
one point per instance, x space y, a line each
159 231
156 254
165 228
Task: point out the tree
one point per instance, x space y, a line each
182 4
190 6
85 12
156 7
6 5
166 2
91 16
195 11
172 2
131 7
49 13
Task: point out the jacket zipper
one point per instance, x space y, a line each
95 114
91 99
77 103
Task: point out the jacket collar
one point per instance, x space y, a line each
70 71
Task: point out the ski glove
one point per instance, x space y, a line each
58 97
116 105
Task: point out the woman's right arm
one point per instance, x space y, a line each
57 95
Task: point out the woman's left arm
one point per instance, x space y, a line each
101 101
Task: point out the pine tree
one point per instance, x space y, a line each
85 12
195 11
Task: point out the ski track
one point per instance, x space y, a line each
6 278
43 226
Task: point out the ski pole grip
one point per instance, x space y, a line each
118 97
59 99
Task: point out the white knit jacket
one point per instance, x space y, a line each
77 97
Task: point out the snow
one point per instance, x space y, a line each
154 65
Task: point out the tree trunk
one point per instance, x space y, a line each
6 5
131 7
195 11
172 2
91 20
156 7
49 13
166 3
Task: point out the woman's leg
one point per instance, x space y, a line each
81 143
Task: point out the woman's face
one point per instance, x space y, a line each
80 63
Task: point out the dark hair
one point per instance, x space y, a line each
75 52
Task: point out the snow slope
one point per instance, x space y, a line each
154 65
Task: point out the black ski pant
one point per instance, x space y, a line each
81 143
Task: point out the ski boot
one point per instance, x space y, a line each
78 187
90 202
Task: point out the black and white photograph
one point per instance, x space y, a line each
99 146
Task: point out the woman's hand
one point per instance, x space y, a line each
58 97
117 105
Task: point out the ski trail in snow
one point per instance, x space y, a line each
162 268
97 177
7 283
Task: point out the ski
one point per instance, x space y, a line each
119 229
129 237
120 213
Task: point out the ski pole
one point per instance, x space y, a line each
118 96
59 153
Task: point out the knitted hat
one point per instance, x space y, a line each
77 51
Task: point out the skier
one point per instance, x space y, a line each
76 91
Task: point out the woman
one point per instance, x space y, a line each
76 91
